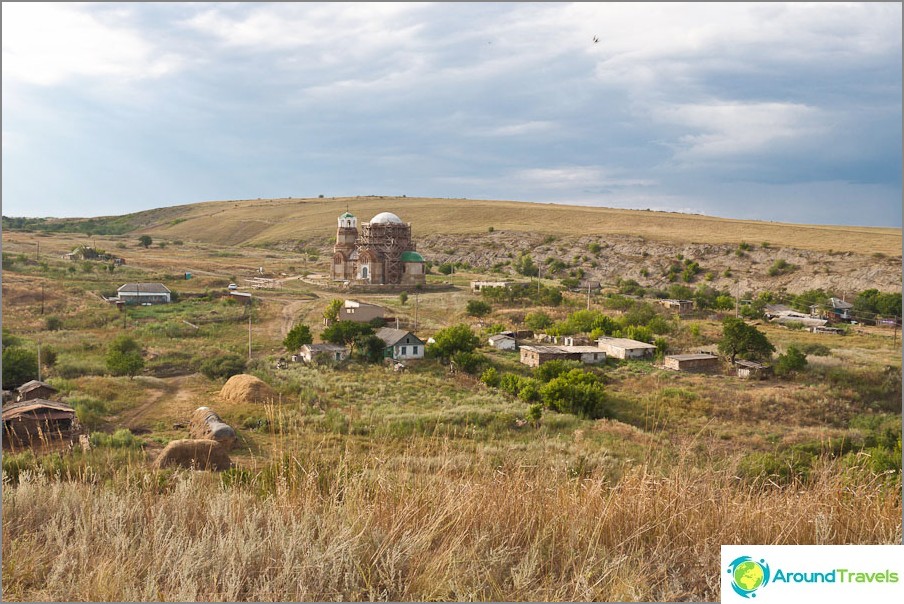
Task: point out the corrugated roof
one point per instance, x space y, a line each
16 409
390 335
691 357
625 343
145 288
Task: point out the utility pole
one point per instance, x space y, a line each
737 303
539 268
42 298
249 336
37 251
588 294
39 360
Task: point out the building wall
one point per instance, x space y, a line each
504 344
361 314
408 348
135 298
40 392
698 365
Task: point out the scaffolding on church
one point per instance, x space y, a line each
389 240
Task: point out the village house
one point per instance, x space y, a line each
144 293
680 306
534 356
576 340
360 312
37 421
35 390
400 344
699 363
752 370
309 352
502 341
478 286
625 348
383 253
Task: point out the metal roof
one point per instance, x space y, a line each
411 256
391 336
145 288
625 343
692 357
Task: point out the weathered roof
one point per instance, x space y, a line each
625 343
145 288
390 335
558 349
701 356
750 364
324 347
501 336
16 409
840 304
411 256
33 385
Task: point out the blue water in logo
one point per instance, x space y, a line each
748 575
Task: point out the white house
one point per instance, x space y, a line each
502 342
309 352
624 348
401 344
144 293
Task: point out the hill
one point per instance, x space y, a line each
269 221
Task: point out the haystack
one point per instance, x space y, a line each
194 454
206 424
244 388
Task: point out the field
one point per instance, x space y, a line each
359 483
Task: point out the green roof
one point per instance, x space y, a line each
412 257
347 215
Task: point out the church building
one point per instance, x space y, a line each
382 253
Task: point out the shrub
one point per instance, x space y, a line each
53 324
490 377
511 383
145 241
19 366
530 390
124 356
121 439
469 362
478 308
403 298
553 369
792 361
537 320
369 348
448 341
577 392
223 366
815 350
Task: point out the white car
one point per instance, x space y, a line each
232 286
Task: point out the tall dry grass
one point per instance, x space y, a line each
373 528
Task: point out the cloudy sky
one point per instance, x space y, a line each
785 112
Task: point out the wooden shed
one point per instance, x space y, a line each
34 390
700 362
37 421
751 370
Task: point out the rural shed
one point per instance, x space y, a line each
309 352
34 390
360 312
502 341
37 421
748 370
699 362
144 293
534 356
625 348
401 344
681 306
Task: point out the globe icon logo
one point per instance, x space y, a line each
748 575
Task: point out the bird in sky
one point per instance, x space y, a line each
595 39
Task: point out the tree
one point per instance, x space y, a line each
145 241
403 298
369 348
577 392
792 361
741 339
448 341
223 366
124 356
19 366
331 313
478 308
537 320
345 332
297 337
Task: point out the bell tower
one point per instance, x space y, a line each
347 233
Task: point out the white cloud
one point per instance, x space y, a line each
49 43
735 128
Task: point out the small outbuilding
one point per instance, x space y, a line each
335 352
502 342
534 356
34 390
478 286
144 293
751 370
679 306
401 344
625 348
575 340
38 421
700 362
360 312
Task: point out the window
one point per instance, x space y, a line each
364 272
404 348
414 350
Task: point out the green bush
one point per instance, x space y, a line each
490 377
577 392
478 308
121 439
553 369
469 362
19 366
223 366
782 468
448 341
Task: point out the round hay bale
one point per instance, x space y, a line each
194 454
206 424
244 388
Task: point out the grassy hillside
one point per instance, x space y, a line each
262 221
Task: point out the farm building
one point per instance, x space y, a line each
534 356
823 329
785 317
34 390
382 253
360 312
624 348
752 370
37 421
680 306
576 340
700 362
241 297
309 352
144 293
477 286
502 342
401 344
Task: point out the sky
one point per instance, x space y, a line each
772 111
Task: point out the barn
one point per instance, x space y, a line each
37 421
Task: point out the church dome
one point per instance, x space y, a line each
386 218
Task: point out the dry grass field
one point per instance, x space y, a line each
358 483
264 221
